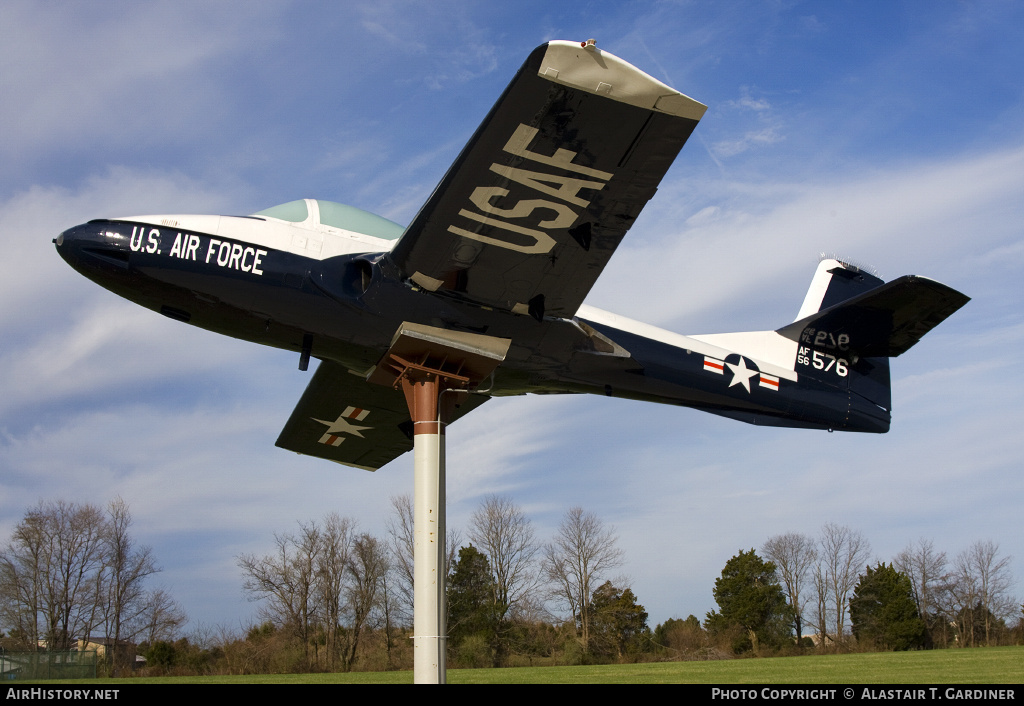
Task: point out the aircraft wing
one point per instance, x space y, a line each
538 200
345 419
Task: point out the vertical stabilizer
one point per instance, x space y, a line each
835 281
852 322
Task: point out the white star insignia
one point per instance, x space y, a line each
741 374
341 425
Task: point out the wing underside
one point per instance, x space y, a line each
343 418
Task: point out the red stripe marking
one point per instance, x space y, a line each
716 366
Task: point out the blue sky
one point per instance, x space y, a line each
890 133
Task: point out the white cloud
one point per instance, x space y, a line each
63 336
754 245
115 73
748 102
755 138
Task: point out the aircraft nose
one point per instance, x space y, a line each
96 245
66 243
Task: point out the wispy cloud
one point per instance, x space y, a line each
97 73
753 237
767 132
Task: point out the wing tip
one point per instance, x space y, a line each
582 65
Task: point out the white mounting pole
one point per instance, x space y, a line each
429 624
424 361
429 614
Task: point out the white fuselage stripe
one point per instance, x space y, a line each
691 343
317 242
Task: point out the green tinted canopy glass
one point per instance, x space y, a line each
293 211
337 215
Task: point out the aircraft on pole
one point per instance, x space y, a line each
508 246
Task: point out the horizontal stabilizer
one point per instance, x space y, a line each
885 321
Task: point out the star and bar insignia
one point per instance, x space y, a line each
741 374
342 425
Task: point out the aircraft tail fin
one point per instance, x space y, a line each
836 281
852 322
854 311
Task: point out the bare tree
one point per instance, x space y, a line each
367 567
52 573
332 563
504 533
793 555
402 544
821 617
325 583
389 607
21 585
926 569
70 569
963 598
161 618
287 581
582 552
843 552
982 585
123 595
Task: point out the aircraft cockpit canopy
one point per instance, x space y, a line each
314 212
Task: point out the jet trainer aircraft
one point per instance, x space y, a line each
508 245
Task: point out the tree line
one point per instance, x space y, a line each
515 600
73 571
331 597
342 598
825 584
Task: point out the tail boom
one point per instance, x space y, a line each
827 370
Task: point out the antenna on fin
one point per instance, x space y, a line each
848 263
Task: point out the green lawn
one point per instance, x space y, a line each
989 665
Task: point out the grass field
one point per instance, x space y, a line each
1004 665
